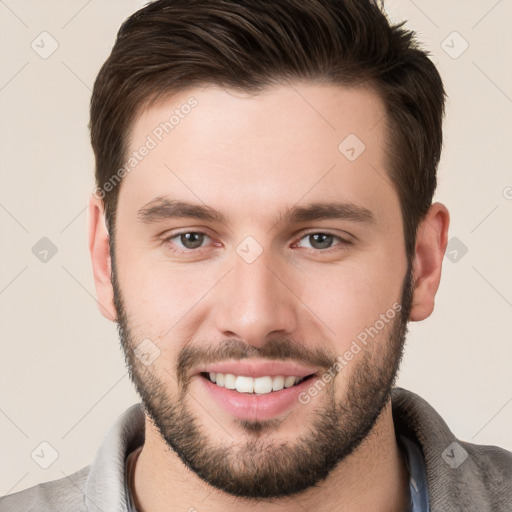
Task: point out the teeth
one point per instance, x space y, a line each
244 384
258 385
277 383
263 385
230 381
289 382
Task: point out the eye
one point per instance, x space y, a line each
189 240
192 241
322 241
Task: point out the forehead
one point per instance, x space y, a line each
288 143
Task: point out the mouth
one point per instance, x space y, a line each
256 389
263 385
259 397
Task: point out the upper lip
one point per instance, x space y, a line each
259 368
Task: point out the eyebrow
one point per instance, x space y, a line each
163 208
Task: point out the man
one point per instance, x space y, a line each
262 232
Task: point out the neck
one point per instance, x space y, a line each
374 477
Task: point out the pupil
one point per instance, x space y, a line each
325 241
192 240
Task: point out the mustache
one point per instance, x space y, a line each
192 356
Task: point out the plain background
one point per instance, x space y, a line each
62 374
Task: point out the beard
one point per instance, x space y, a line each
261 466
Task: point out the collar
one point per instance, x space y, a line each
462 488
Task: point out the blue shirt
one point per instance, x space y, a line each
418 482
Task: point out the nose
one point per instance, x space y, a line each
255 301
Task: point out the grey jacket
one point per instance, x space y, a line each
461 476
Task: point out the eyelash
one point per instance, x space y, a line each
343 242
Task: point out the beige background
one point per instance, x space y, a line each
62 378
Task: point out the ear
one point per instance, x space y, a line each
99 247
431 240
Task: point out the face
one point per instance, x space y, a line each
255 243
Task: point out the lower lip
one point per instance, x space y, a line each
252 406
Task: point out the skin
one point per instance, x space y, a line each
251 157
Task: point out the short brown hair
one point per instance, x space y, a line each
247 45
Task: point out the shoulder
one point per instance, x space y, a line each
478 476
461 475
493 467
65 494
99 486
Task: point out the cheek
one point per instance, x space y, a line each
350 298
164 302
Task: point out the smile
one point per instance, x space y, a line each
256 385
